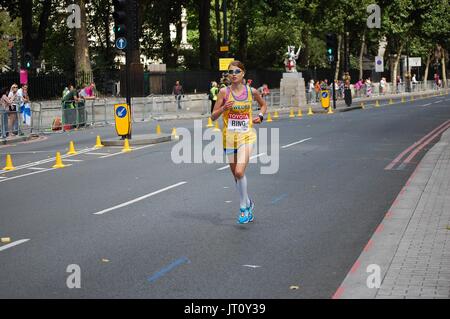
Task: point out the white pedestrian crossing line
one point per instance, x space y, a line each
15 243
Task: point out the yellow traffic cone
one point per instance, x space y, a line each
310 111
291 113
299 112
269 117
216 127
391 102
98 142
9 164
330 110
174 133
412 97
126 146
275 115
377 104
210 124
72 149
362 105
58 163
403 99
5 240
158 129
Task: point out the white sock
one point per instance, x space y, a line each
241 185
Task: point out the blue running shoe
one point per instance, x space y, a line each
243 216
250 211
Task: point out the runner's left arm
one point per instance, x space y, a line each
262 104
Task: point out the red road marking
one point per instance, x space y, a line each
399 157
338 293
368 246
417 150
379 228
355 266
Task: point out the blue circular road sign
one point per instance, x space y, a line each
324 95
121 112
121 43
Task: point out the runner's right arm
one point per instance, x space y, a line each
220 106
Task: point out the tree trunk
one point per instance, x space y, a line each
338 62
394 68
204 28
444 73
427 68
361 54
83 70
33 42
218 23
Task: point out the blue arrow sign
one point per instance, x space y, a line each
121 43
121 111
324 95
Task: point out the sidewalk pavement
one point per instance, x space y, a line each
408 256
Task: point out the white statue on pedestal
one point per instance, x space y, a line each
290 59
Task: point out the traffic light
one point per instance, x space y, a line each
331 46
120 18
28 60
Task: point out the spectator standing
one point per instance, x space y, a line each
317 90
311 90
178 91
88 93
25 108
213 94
368 87
5 103
13 122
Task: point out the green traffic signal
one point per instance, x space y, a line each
330 51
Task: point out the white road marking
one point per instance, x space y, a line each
14 243
139 198
99 154
72 160
48 160
134 149
37 168
28 174
252 266
426 104
2 177
438 101
295 143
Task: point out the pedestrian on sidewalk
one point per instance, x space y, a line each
13 122
5 104
25 108
178 91
317 91
234 103
213 91
368 87
382 85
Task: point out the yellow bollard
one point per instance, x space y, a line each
9 164
174 134
158 129
58 163
210 124
216 127
291 113
377 104
310 111
5 240
330 110
98 142
412 98
126 146
403 99
72 149
391 102
299 112
269 118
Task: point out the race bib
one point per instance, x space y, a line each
238 122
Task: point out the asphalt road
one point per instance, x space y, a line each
139 225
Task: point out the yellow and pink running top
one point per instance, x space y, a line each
237 122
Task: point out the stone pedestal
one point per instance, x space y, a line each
292 90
